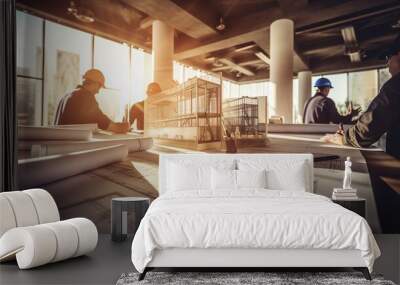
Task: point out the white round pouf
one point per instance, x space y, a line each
67 240
45 205
7 216
87 234
23 208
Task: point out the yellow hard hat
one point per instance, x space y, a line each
95 75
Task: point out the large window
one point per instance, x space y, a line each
29 69
44 79
358 87
68 55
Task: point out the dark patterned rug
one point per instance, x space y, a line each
243 278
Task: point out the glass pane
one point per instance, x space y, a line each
29 45
68 55
29 101
142 73
112 59
363 87
297 113
384 76
226 90
235 92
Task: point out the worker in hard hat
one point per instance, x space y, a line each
136 112
80 106
153 88
382 115
320 109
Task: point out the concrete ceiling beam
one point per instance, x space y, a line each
237 67
245 63
196 25
220 44
146 23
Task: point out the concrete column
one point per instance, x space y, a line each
281 68
163 51
305 90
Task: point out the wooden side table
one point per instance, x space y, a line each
119 215
358 205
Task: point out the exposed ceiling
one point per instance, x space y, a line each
330 35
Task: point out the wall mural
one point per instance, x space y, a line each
105 155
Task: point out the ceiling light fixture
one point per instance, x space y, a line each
349 35
221 26
82 14
352 48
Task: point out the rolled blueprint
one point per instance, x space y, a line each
33 172
89 127
51 133
43 148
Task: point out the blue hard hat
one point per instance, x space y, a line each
323 82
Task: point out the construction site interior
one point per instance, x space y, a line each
232 76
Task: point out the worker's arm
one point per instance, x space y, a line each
372 124
334 116
119 128
105 123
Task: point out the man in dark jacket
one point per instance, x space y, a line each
382 115
136 112
80 106
320 109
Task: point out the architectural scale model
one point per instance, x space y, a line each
187 115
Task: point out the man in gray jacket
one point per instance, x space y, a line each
382 115
320 109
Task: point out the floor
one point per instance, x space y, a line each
103 266
110 259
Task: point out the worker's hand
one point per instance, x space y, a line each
336 138
351 110
119 128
